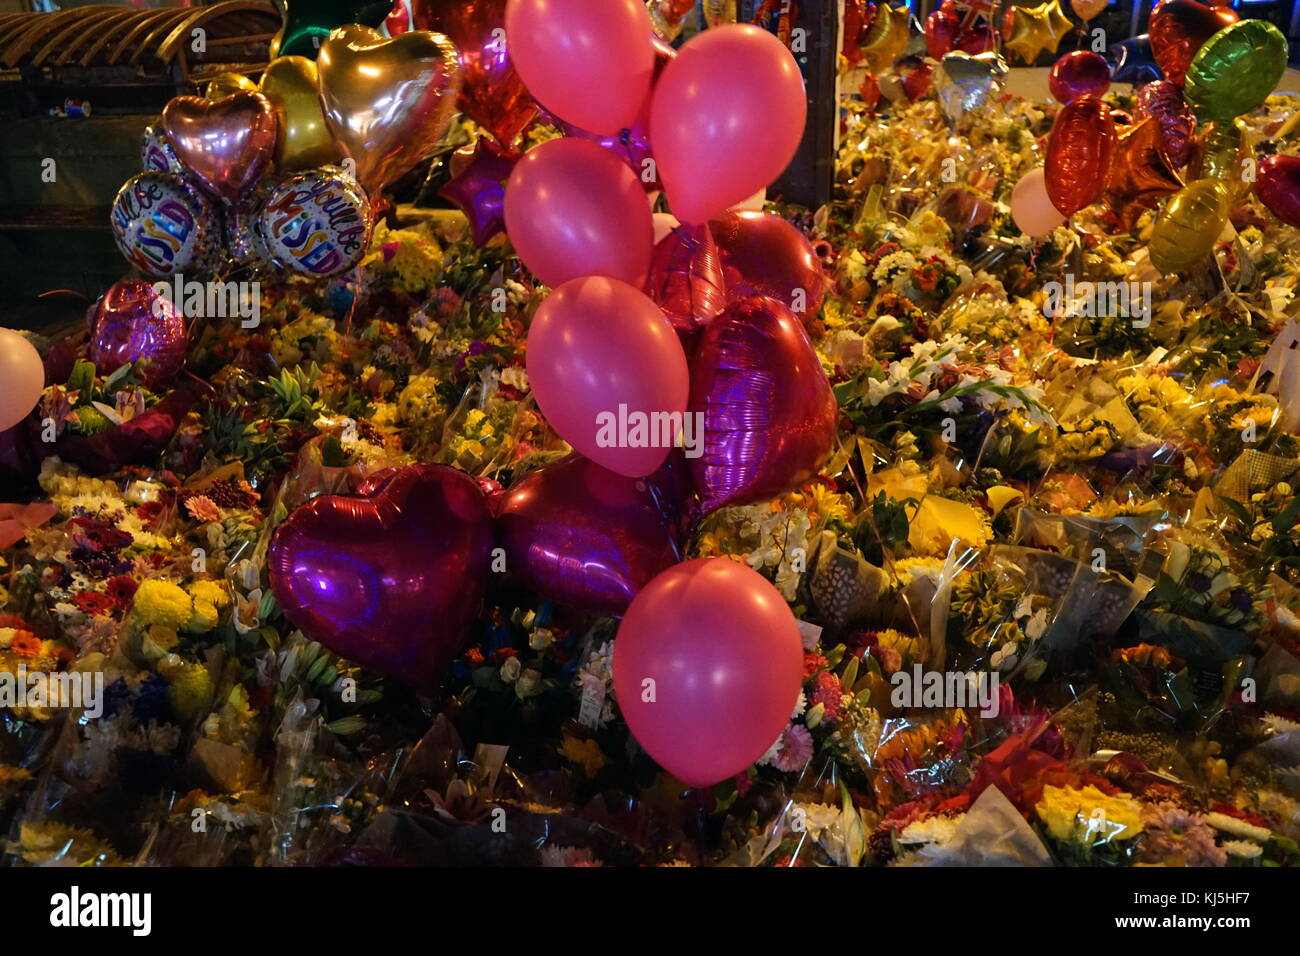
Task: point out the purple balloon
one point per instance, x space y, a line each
478 186
133 323
769 413
586 537
686 280
390 581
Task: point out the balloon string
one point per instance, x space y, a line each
79 295
657 498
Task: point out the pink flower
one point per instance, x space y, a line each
795 750
201 508
828 693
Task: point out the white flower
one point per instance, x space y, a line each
1243 849
1238 828
511 669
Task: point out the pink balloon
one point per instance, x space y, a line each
663 225
585 537
22 374
725 119
573 209
132 322
589 62
1031 208
707 668
769 413
762 254
602 358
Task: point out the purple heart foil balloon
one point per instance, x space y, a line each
132 322
762 254
686 280
768 409
587 537
390 581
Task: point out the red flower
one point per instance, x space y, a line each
829 694
121 590
812 663
92 602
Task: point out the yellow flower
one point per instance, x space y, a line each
209 599
165 637
1089 816
191 686
161 602
584 753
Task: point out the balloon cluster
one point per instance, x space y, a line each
957 26
1181 152
659 437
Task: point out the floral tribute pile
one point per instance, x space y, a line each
1092 512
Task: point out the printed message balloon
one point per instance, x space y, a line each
708 668
390 581
164 226
133 322
156 153
315 222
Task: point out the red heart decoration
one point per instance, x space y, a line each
1277 184
1179 28
227 143
390 581
769 413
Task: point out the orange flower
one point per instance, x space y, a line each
26 644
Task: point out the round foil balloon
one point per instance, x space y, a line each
133 322
708 668
1236 70
1188 227
156 153
584 536
1079 73
316 222
1178 28
762 254
767 408
1277 184
163 226
390 581
1078 154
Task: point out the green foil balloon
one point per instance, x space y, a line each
1186 230
307 23
1236 70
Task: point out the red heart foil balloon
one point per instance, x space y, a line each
133 323
1078 154
1277 184
686 280
1179 28
762 254
390 581
227 143
769 413
493 95
584 536
1163 102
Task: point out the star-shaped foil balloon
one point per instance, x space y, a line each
886 38
1140 173
307 23
1031 30
478 186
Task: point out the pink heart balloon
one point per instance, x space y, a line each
133 323
1277 185
707 668
769 413
390 581
762 254
227 143
584 536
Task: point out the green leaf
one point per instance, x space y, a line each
346 725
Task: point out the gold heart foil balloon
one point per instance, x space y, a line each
226 143
304 141
387 102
